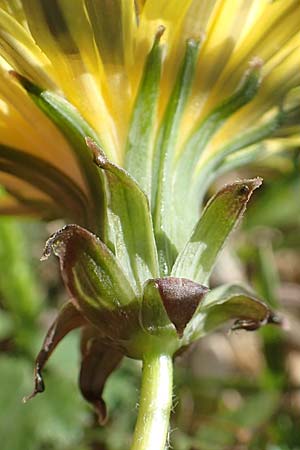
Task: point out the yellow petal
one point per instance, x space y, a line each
10 206
15 9
24 126
169 14
22 190
19 50
114 24
274 27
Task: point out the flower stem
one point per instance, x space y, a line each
155 403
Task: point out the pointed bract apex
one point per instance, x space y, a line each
275 319
57 241
253 324
251 79
39 385
28 85
181 298
160 31
98 154
220 217
242 188
235 304
196 41
47 249
67 320
239 194
256 62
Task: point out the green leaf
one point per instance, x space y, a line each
164 157
219 218
75 129
131 222
139 148
229 303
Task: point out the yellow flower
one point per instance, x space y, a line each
93 52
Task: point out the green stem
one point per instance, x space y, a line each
155 403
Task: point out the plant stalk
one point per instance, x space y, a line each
152 425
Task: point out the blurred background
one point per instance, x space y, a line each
233 390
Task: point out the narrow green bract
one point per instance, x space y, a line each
164 159
140 141
219 218
130 222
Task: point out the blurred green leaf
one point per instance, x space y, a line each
223 429
6 325
277 205
218 436
21 293
56 418
257 410
122 395
19 286
267 279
